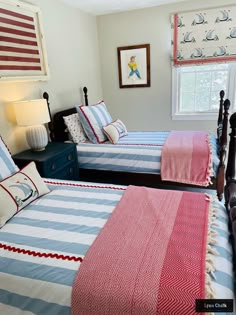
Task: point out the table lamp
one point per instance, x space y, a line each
33 114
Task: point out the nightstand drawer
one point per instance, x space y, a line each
70 172
55 164
58 160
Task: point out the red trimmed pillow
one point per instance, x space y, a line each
93 118
115 130
20 189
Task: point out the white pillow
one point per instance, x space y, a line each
115 130
75 128
93 118
20 189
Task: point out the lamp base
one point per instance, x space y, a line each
37 137
39 150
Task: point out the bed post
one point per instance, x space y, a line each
85 90
50 124
230 171
223 148
230 187
220 114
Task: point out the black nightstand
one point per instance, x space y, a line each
58 160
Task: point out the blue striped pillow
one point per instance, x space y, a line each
93 118
7 165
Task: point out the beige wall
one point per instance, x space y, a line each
72 48
75 59
144 108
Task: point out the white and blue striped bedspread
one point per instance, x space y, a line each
66 221
138 152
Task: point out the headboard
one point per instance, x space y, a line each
57 128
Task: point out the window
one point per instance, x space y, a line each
195 92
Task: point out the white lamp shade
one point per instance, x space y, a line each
33 112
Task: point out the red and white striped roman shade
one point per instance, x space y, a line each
21 47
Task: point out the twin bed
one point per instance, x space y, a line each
136 158
90 248
45 246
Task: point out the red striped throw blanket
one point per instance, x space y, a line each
186 158
150 257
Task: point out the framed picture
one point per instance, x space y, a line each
22 49
134 66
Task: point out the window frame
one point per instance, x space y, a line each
207 115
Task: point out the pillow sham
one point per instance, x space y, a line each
20 189
75 128
7 165
93 118
115 130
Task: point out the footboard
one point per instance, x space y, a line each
230 188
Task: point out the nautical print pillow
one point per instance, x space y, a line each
93 118
18 190
115 130
7 165
75 128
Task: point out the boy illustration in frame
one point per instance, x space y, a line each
133 68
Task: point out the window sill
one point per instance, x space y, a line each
195 116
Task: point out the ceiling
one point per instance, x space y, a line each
99 7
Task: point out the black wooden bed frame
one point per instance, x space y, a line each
57 133
230 189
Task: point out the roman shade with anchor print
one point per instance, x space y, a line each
204 36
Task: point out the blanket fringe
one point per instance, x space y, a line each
211 240
211 250
210 171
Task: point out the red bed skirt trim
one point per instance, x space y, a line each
84 185
38 254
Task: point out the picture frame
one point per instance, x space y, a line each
134 66
22 51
